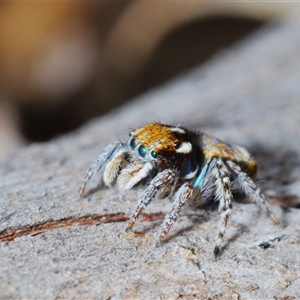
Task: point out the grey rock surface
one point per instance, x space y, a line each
248 95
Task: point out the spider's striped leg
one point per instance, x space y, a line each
251 189
225 198
184 193
107 155
162 179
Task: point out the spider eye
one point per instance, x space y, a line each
153 154
132 143
142 151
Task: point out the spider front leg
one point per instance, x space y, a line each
225 198
109 153
164 178
252 190
183 194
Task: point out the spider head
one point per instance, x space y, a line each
166 147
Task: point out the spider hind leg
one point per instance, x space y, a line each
252 190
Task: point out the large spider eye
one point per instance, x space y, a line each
142 151
153 154
132 143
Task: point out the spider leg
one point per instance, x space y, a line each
252 190
225 198
193 195
183 194
105 157
162 179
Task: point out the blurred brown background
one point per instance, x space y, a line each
64 63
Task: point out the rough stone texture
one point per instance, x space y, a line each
249 95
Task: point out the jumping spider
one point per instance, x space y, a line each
173 161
